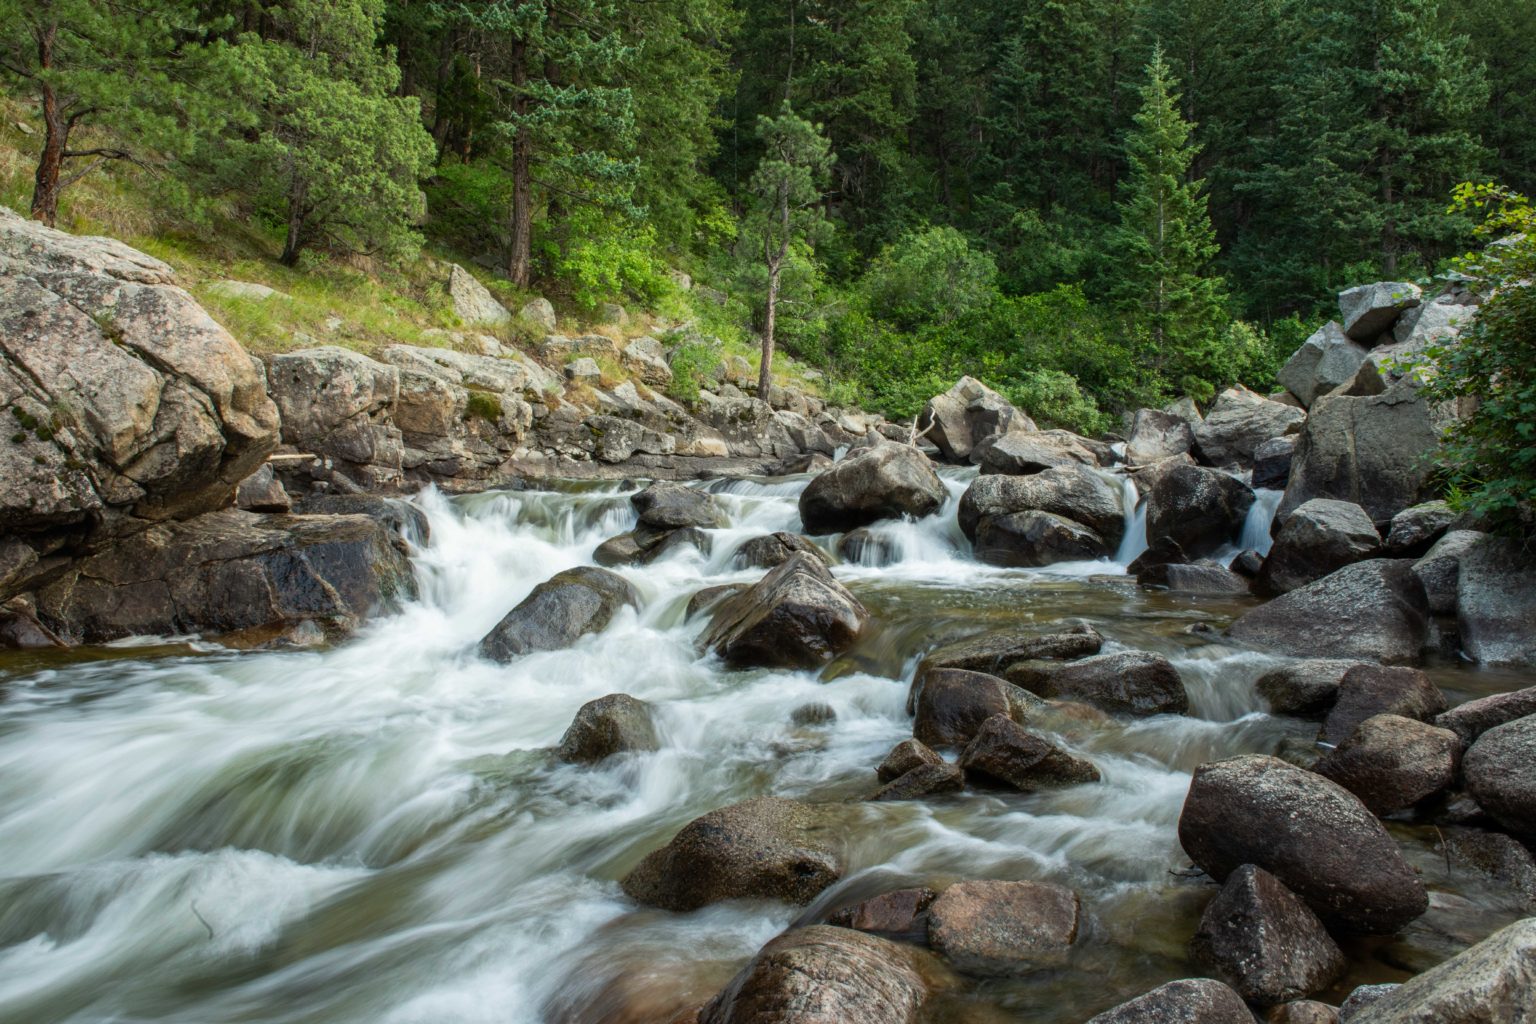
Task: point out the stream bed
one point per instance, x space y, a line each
376 833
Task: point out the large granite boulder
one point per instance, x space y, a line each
1494 982
996 929
797 616
560 611
1188 1001
1372 310
1036 539
1318 538
1370 611
1500 772
768 848
1391 762
1325 361
615 724
1074 493
1157 435
1238 423
1439 570
340 404
1417 528
967 414
1369 690
123 397
1137 683
1475 717
951 704
888 481
1199 509
231 572
472 301
1496 602
1306 688
1313 835
1019 454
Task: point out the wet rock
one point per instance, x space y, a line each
773 550
797 616
1500 772
1157 435
1369 690
673 541
768 848
1494 982
1371 310
951 705
1439 571
994 650
1313 835
472 302
1002 750
1306 689
1472 719
1247 564
865 547
670 506
1238 423
711 596
1302 1011
905 756
560 611
887 481
997 929
1272 463
1191 1001
966 414
402 518
924 780
893 913
615 724
1391 762
1415 529
1200 509
21 631
624 549
1021 454
1193 578
1325 361
1071 492
1370 611
821 975
815 713
1264 940
1497 857
1318 538
1165 552
1496 602
262 492
1136 683
1032 539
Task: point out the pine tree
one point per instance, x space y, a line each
1162 250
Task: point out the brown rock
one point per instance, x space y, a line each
892 913
905 756
1190 1001
1368 690
924 780
1391 762
1003 928
952 704
1002 750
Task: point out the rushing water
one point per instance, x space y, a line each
376 832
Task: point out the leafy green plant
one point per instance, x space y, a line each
691 364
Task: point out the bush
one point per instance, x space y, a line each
930 276
692 362
600 258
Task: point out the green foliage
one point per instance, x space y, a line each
692 363
603 259
1489 457
483 405
930 276
468 202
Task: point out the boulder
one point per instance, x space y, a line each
670 506
262 492
1003 751
707 598
339 404
1369 690
1496 602
1247 563
560 611
1318 538
1362 997
231 572
773 550
951 704
797 616
1157 435
1415 529
1266 942
1306 689
900 913
815 713
1238 423
540 313
1372 310
905 756
646 358
615 724
995 649
924 780
1494 982
1302 1011
1197 508
1021 454
997 929
1472 719
887 481
1391 762
1071 492
472 302
404 519
1370 611
1191 1001
1193 578
966 414
1325 361
1272 463
865 547
1136 683
821 975
1500 772
768 848
583 371
1439 571
1036 539
1313 835
624 549
1499 858
1375 451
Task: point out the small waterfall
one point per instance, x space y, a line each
1135 540
1261 518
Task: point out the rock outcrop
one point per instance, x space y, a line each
1238 423
966 415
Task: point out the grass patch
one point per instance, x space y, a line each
483 405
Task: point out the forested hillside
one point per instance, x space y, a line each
1092 204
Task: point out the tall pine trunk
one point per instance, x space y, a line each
770 320
50 163
293 244
520 254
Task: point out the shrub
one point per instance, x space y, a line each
929 276
483 405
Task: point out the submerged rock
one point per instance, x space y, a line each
615 724
905 756
866 547
1191 1001
924 780
561 610
797 616
996 929
1370 611
995 649
900 912
887 481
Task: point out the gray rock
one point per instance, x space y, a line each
1238 423
1021 454
1306 689
965 415
1472 719
646 358
1436 322
1415 529
888 481
1034 539
1313 835
1496 602
1500 772
994 650
1369 611
339 403
1199 509
1369 690
905 756
1265 941
560 611
1157 435
615 724
950 705
624 549
1003 751
1272 463
583 371
1497 857
540 313
1325 361
1391 762
1439 571
773 550
865 547
404 519
262 492
1371 310
670 506
1191 1001
249 290
797 616
814 713
924 780
1193 578
1318 538
1135 683
997 929
472 302
1362 997
768 848
1494 982
1071 492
